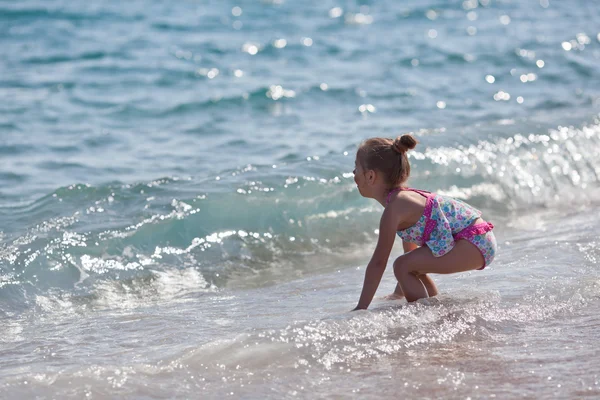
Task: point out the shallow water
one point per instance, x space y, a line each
178 216
523 328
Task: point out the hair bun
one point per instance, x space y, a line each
404 143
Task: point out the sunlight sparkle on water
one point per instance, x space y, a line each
359 19
364 108
583 39
280 43
209 73
530 77
431 14
250 48
501 96
470 4
336 12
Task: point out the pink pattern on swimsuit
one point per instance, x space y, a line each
446 220
477 229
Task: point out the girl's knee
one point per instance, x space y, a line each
401 267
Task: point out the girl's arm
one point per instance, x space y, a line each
376 267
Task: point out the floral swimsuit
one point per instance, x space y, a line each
444 222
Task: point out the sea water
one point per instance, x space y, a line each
178 217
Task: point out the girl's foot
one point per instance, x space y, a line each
394 296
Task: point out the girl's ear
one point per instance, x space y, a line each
371 176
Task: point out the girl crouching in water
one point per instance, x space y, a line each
440 235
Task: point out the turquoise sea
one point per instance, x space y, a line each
178 217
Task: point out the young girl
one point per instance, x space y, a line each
440 235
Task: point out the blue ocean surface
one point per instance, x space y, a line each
178 216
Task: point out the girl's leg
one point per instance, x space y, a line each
430 287
398 293
409 267
426 280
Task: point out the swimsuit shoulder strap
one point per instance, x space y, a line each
395 190
423 193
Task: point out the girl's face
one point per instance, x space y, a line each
360 178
